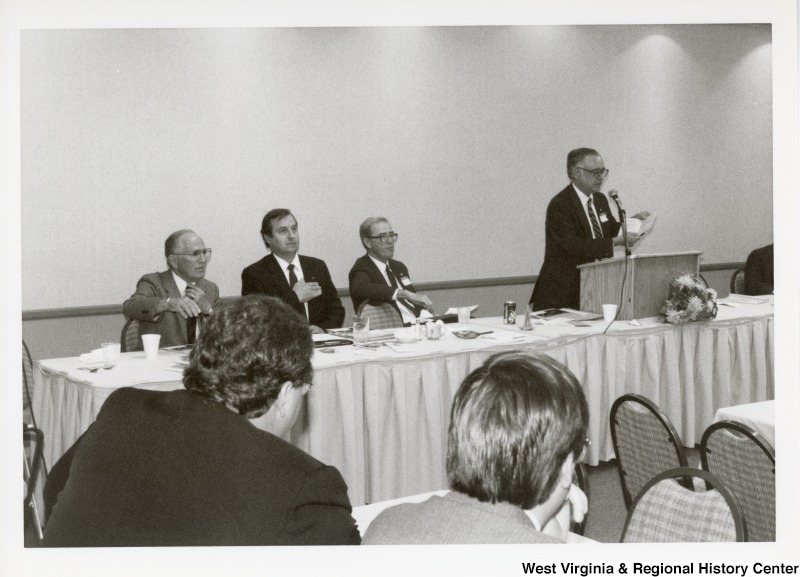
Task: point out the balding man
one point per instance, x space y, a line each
170 303
579 228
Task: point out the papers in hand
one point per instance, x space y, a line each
641 226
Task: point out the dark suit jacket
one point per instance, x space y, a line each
568 243
759 272
367 282
266 277
177 468
154 287
453 519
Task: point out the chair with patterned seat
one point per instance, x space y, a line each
381 315
737 282
130 339
742 459
645 443
666 511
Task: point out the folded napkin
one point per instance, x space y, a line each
96 356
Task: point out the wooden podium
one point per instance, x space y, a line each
646 285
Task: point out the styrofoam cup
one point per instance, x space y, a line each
609 312
150 343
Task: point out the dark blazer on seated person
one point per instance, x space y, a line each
367 283
153 288
266 277
455 518
759 271
176 468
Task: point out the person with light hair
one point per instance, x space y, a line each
517 428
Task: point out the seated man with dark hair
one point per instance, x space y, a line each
517 427
206 465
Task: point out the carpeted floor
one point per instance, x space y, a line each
606 504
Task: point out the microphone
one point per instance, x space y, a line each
623 217
615 197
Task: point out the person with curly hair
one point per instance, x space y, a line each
206 465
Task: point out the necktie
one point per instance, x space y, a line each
191 329
292 276
390 274
406 303
598 232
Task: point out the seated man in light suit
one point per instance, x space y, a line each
376 276
517 427
302 282
206 464
170 303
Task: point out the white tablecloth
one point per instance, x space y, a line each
758 416
381 416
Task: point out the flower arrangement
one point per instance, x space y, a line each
689 299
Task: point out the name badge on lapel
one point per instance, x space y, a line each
603 217
405 281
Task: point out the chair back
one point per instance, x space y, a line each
645 443
32 445
582 480
381 315
27 385
666 511
737 282
743 460
130 339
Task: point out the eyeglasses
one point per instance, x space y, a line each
598 172
386 237
206 252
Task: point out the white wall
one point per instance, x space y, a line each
457 134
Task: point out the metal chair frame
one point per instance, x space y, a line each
31 472
753 504
669 429
737 282
687 473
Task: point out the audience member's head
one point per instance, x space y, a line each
187 255
378 237
514 423
249 351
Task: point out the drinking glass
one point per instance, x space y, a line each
360 330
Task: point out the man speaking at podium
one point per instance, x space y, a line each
579 228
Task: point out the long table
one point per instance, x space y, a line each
380 416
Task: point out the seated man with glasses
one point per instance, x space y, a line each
517 428
170 303
206 464
376 276
579 228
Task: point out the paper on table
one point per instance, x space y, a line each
454 310
96 356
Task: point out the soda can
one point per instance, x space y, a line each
510 313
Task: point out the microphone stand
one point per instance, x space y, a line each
623 215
